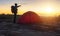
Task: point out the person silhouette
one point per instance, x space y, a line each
16 6
14 10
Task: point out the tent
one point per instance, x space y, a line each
29 18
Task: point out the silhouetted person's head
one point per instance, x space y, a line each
15 4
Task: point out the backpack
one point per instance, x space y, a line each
13 9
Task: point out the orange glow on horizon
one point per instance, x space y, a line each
44 9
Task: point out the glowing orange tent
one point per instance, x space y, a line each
29 17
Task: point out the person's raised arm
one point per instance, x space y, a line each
19 6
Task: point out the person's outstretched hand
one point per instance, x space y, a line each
19 5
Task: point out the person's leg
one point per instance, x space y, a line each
14 21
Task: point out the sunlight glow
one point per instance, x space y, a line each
49 10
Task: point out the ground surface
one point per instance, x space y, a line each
10 29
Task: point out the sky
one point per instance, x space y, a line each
38 6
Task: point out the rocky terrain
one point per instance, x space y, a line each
11 29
